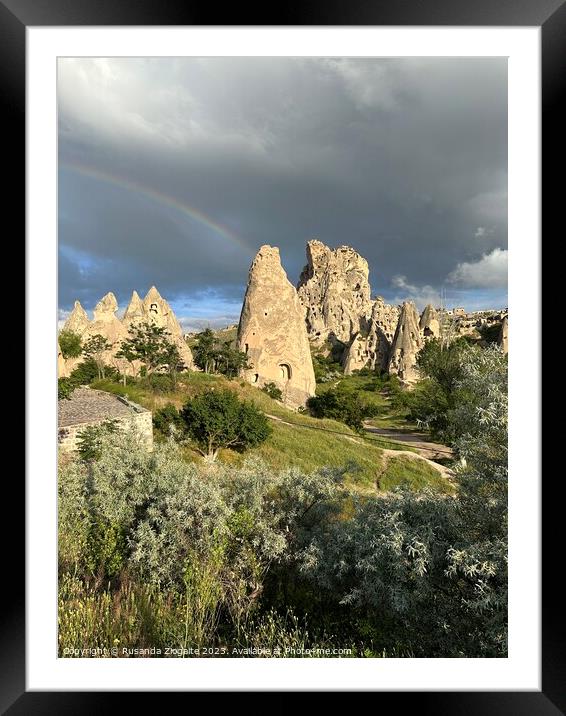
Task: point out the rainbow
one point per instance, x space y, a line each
160 198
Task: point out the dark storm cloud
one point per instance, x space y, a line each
405 160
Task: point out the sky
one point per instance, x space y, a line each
174 171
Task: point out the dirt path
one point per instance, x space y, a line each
417 441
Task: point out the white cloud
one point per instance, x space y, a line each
489 272
480 232
420 295
369 84
62 316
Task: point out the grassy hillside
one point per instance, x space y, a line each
297 439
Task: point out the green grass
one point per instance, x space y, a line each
309 443
413 474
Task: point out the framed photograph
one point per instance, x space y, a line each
270 270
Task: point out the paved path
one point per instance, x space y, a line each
417 441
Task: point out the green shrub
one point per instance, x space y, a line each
161 383
88 371
273 391
166 418
219 419
345 406
70 344
65 388
89 443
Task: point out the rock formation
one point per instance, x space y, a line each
372 350
135 312
503 341
156 309
108 325
334 292
272 331
78 321
407 342
429 323
105 321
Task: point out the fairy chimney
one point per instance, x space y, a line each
272 331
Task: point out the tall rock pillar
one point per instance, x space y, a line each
272 331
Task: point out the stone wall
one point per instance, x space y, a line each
68 435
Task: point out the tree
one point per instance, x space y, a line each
218 358
70 344
429 402
171 361
230 361
442 363
94 349
431 571
347 407
151 345
205 352
219 419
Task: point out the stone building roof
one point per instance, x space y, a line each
89 406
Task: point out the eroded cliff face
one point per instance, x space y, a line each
407 342
429 323
334 292
372 349
272 331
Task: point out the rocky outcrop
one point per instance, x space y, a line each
135 312
78 320
106 323
503 340
156 309
334 292
372 349
407 342
429 323
272 331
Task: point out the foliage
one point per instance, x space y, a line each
70 344
89 443
151 345
273 391
434 569
155 550
192 543
431 400
167 418
86 372
204 350
94 349
326 364
347 407
219 419
160 382
65 388
214 356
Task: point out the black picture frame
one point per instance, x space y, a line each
550 15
